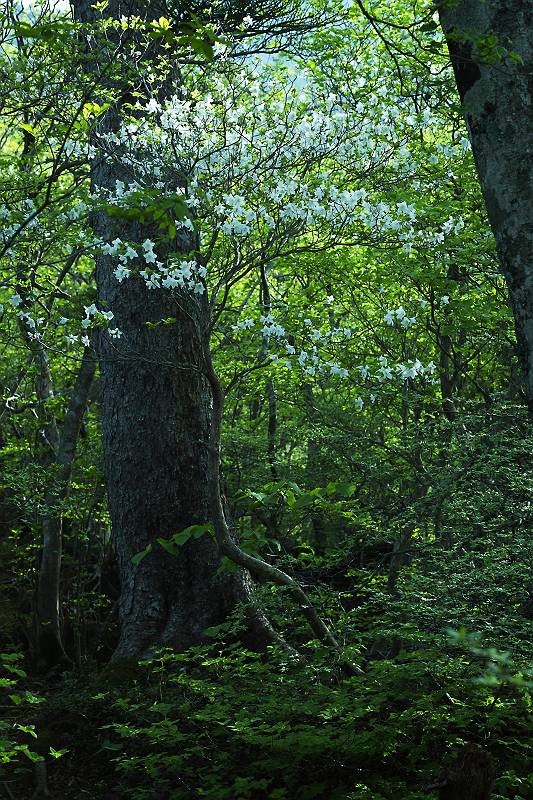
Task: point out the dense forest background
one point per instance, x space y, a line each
267 384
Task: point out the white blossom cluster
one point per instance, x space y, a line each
176 274
257 158
95 316
399 316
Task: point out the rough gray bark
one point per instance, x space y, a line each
155 424
496 90
156 415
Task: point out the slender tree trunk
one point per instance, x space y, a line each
312 468
496 91
272 428
266 303
58 457
445 377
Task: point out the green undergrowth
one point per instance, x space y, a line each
444 648
220 722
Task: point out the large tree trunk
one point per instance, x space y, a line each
496 91
156 412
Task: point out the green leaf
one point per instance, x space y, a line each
15 671
11 657
226 565
29 729
138 557
166 321
29 128
202 47
340 488
173 543
58 753
107 744
35 757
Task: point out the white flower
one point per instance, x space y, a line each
170 282
85 341
186 268
150 257
90 310
152 107
152 281
444 300
273 329
62 321
408 372
129 253
358 403
384 373
15 300
340 371
115 333
400 312
406 209
121 272
244 325
389 317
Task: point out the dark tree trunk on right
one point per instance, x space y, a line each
496 91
